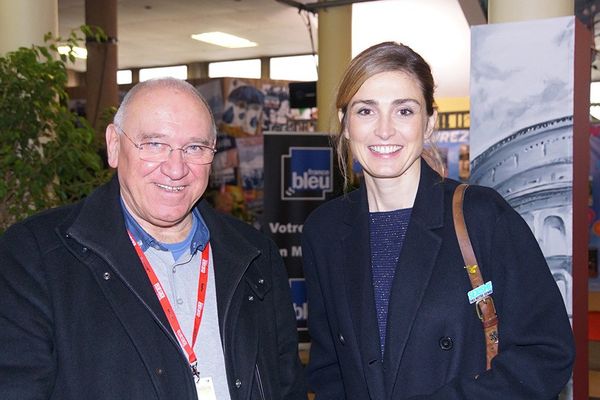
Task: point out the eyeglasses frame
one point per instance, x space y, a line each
138 146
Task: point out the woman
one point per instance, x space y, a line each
389 315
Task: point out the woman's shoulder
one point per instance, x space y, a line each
332 210
485 202
480 195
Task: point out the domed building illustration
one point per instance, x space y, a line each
532 170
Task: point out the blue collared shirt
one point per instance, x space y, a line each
199 240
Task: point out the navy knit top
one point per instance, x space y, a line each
387 231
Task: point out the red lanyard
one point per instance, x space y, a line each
166 305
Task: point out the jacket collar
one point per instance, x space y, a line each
198 240
430 192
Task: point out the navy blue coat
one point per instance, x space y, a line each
434 341
80 320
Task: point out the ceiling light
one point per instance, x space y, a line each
78 52
223 39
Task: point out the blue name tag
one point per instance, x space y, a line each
480 292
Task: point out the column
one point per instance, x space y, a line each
198 70
519 10
25 22
265 68
101 76
335 51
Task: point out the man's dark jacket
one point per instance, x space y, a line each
80 320
434 346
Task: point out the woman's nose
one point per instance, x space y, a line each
385 127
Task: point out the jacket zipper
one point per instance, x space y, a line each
259 382
228 307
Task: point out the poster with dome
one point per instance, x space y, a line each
522 136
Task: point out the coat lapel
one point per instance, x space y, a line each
356 250
415 266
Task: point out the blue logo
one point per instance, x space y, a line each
298 288
306 173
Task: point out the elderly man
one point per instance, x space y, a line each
140 291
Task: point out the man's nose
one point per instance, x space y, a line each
175 166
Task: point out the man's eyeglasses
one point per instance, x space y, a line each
193 153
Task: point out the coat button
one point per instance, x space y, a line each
85 249
250 298
342 339
106 276
238 383
159 371
446 343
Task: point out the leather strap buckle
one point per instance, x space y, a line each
486 311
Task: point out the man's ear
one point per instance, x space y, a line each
112 145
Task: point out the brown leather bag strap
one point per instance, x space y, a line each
485 307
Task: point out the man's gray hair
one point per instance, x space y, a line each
171 83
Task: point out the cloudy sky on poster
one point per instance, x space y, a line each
521 74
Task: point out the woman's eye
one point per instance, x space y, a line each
364 111
405 111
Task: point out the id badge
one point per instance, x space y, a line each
206 389
480 292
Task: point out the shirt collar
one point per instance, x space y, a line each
199 240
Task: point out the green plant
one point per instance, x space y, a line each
48 155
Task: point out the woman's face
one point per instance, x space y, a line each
386 125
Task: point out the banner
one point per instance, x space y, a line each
300 173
